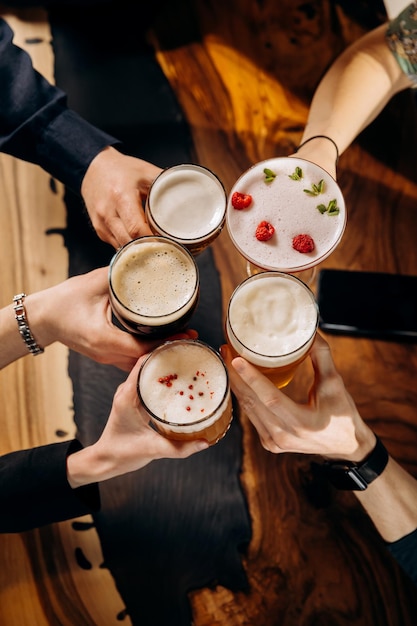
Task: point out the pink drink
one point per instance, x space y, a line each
282 201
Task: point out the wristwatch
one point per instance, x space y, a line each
351 476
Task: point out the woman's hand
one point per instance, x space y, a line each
77 313
127 443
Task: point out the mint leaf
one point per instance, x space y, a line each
269 175
297 174
315 189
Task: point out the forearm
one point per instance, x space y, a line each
391 502
390 499
89 465
35 122
353 91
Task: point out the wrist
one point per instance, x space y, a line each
366 442
357 476
23 325
355 447
89 466
323 156
37 313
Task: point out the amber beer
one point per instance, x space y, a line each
154 286
187 203
271 321
184 386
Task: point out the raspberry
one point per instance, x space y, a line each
303 243
241 200
264 231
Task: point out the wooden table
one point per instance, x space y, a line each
243 75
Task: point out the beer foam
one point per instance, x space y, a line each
154 279
284 203
187 201
198 390
274 317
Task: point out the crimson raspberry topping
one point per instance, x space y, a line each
241 200
303 243
264 231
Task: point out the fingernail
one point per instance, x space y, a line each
238 364
223 351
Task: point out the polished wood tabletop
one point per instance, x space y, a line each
242 74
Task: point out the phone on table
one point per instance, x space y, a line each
375 305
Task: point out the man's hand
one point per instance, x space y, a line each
113 189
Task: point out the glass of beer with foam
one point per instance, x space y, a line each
271 321
187 203
184 387
285 214
154 286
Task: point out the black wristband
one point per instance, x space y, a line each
321 137
348 475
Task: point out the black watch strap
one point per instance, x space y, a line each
351 476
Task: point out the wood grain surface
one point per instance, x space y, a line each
243 73
41 580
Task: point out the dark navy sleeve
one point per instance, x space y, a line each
36 124
34 489
405 552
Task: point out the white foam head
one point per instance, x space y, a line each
284 203
155 279
184 382
273 318
187 202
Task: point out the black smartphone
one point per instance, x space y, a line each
376 305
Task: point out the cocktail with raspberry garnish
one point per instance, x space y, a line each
285 214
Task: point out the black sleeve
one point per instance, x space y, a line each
35 122
405 552
34 489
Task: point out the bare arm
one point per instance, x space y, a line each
354 90
391 502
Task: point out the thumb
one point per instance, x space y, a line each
321 358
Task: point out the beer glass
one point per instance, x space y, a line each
184 387
154 286
285 214
271 321
187 203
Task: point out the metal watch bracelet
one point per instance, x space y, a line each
23 326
